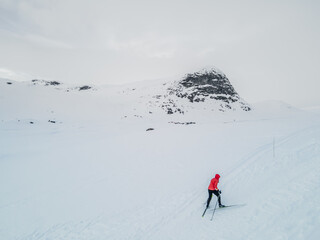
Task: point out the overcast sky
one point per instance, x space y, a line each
268 49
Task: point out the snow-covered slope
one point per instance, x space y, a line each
199 94
81 165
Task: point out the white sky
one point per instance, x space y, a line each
269 49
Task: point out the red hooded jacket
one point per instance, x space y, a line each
214 183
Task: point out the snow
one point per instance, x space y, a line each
98 174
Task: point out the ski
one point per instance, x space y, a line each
220 208
234 205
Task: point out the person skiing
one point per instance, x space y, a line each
213 189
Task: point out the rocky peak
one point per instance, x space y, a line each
208 85
198 86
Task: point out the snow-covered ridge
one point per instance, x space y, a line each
208 91
202 96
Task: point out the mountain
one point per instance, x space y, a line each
201 93
210 86
208 90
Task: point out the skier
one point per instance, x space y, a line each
213 189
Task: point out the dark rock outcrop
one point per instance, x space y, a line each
210 86
84 88
204 85
46 83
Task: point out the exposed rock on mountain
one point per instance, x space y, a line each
60 86
84 88
45 83
210 86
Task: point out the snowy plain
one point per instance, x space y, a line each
81 165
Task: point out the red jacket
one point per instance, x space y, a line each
214 183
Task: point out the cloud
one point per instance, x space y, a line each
41 40
149 45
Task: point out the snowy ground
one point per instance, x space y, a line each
98 174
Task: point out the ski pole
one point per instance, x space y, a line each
214 210
204 211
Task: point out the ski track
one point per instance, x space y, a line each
299 186
157 221
259 163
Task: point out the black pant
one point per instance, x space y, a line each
215 192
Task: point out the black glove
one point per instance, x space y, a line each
220 191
